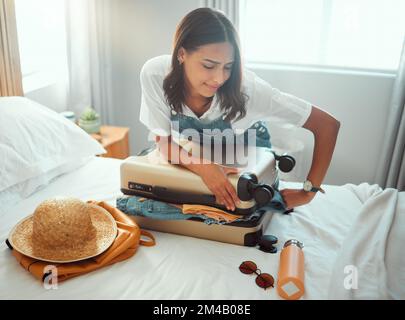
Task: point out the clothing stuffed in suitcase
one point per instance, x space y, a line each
165 217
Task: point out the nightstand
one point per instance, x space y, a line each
114 140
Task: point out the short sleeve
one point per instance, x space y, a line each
270 104
154 111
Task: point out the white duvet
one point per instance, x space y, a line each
372 253
180 267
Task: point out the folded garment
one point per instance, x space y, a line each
139 206
124 246
276 204
154 209
210 212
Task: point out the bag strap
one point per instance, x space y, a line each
9 245
146 243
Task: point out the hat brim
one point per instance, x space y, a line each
105 226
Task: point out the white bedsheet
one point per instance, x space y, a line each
181 267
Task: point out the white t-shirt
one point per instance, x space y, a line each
264 103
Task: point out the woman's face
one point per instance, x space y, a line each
207 68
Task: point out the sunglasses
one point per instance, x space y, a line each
263 280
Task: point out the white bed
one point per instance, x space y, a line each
349 226
180 267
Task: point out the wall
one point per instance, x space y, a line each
358 100
52 95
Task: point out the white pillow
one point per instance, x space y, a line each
17 192
35 140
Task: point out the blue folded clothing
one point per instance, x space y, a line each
139 206
276 204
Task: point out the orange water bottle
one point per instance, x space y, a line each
290 282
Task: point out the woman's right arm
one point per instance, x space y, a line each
213 175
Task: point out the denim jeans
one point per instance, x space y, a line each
133 205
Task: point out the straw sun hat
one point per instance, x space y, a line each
64 230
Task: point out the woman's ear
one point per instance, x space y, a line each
181 55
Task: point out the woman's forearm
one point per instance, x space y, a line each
325 129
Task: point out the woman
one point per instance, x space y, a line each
203 86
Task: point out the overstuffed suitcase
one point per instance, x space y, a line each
149 175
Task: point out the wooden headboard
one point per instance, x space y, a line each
10 70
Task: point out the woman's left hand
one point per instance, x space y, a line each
296 197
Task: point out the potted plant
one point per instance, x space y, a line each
89 120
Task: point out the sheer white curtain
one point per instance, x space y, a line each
391 168
89 56
229 7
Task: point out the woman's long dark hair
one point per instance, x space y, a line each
200 27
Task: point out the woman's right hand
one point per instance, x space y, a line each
215 178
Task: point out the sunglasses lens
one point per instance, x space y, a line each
248 267
265 280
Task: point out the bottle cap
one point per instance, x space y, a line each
294 242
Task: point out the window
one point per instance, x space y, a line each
42 42
356 34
